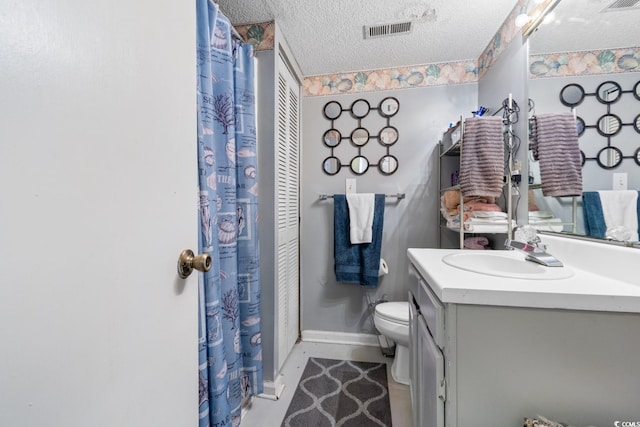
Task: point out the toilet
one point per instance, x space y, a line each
392 321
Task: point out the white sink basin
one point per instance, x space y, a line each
507 264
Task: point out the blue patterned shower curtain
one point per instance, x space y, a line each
230 351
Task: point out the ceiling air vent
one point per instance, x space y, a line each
618 5
385 30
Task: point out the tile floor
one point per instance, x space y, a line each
269 413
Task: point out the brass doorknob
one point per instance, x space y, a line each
187 262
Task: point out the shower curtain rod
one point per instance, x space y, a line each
399 196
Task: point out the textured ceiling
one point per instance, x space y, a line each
579 25
326 36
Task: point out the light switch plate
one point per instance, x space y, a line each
350 186
620 181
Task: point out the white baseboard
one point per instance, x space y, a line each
272 389
341 338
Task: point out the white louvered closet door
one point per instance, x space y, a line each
287 183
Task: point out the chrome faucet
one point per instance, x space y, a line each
532 247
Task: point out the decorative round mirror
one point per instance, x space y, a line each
331 165
388 135
608 92
636 123
388 165
332 110
609 125
609 157
332 138
389 107
360 136
359 165
360 108
584 158
580 126
636 156
636 91
572 95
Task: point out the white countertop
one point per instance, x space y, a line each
583 291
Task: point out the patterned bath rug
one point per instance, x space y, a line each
340 393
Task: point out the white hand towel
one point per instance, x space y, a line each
360 217
620 209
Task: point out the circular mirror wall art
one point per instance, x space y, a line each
388 135
609 157
572 95
584 158
332 138
636 91
636 156
359 165
360 108
332 110
388 165
389 107
636 123
609 125
608 92
580 126
360 136
331 165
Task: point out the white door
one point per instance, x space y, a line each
98 197
288 184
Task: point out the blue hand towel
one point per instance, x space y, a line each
593 217
356 263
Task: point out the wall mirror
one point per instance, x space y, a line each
389 107
388 165
360 136
360 108
572 95
388 135
332 110
331 165
359 165
611 114
608 92
332 138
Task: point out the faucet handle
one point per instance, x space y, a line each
526 233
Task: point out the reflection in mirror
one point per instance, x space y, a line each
572 95
388 165
636 91
608 92
389 107
636 123
359 165
360 108
609 125
332 110
332 138
331 165
360 136
388 135
609 157
580 125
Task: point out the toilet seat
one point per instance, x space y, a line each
397 312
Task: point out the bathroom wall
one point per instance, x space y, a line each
545 93
424 115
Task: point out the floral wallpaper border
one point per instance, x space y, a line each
503 37
446 73
565 64
260 34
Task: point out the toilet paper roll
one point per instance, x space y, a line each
384 268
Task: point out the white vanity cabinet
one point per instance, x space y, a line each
428 392
477 361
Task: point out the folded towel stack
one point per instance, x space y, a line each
555 141
482 157
545 221
450 204
479 242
